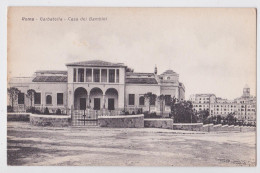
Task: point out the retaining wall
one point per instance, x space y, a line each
50 120
127 121
18 116
187 126
164 123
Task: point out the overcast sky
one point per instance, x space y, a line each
213 50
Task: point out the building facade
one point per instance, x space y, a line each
96 85
243 108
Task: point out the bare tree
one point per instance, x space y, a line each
30 95
162 100
151 98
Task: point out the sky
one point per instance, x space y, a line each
212 49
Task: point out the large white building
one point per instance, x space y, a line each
244 107
96 85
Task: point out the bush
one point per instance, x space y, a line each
133 113
151 115
46 111
37 111
139 111
9 108
126 113
58 112
32 110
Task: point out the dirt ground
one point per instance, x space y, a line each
95 146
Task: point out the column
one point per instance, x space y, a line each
84 74
100 75
77 74
107 75
115 76
92 75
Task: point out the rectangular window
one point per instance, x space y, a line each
104 75
59 98
81 75
88 75
117 76
96 75
74 74
21 98
111 75
131 99
37 98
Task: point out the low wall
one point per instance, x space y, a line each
18 116
226 128
124 121
50 120
247 129
164 123
187 126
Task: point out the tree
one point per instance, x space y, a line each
13 95
129 70
230 118
162 100
203 115
151 98
219 118
30 95
182 112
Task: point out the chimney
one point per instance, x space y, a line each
155 69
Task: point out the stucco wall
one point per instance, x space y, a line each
158 123
49 120
187 126
140 90
46 88
130 121
50 89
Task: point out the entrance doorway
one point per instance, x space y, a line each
111 104
82 103
96 103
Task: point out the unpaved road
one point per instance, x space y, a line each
94 146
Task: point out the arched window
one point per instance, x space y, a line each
168 78
48 99
141 100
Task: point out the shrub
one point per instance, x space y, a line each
139 111
9 108
126 113
46 111
133 113
31 109
37 111
58 112
151 115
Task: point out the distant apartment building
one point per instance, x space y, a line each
244 107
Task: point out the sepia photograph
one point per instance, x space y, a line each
128 86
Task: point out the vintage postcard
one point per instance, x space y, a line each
131 87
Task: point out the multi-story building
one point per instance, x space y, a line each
96 85
203 101
244 107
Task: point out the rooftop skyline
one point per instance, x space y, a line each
212 50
